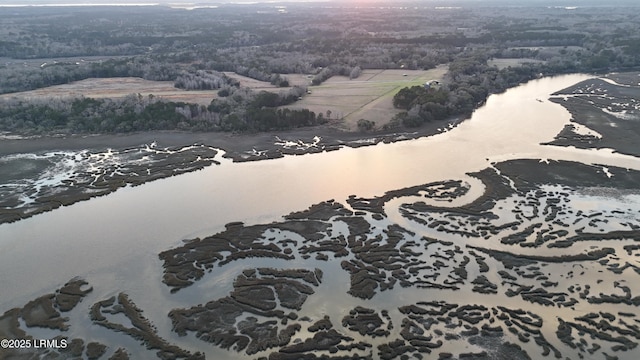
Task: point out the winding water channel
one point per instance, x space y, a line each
113 241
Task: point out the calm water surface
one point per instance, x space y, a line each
113 241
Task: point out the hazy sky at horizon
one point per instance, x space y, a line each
273 1
355 2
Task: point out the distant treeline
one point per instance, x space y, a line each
158 43
194 48
24 78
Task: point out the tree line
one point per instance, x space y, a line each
242 111
468 84
194 48
157 43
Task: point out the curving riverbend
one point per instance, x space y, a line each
113 241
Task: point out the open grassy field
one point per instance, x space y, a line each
116 88
368 97
254 84
513 62
122 86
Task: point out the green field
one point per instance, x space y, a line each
368 97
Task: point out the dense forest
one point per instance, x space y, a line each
41 47
474 81
242 110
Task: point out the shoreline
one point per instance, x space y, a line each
235 145
91 166
506 268
545 267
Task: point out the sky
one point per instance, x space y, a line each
204 2
35 2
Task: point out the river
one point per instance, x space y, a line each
113 241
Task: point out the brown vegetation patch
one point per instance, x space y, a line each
255 293
140 327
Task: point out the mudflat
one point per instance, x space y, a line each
500 277
542 264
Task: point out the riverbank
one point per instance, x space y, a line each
541 238
44 173
68 184
541 269
605 113
239 147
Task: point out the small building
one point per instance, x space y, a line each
432 84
